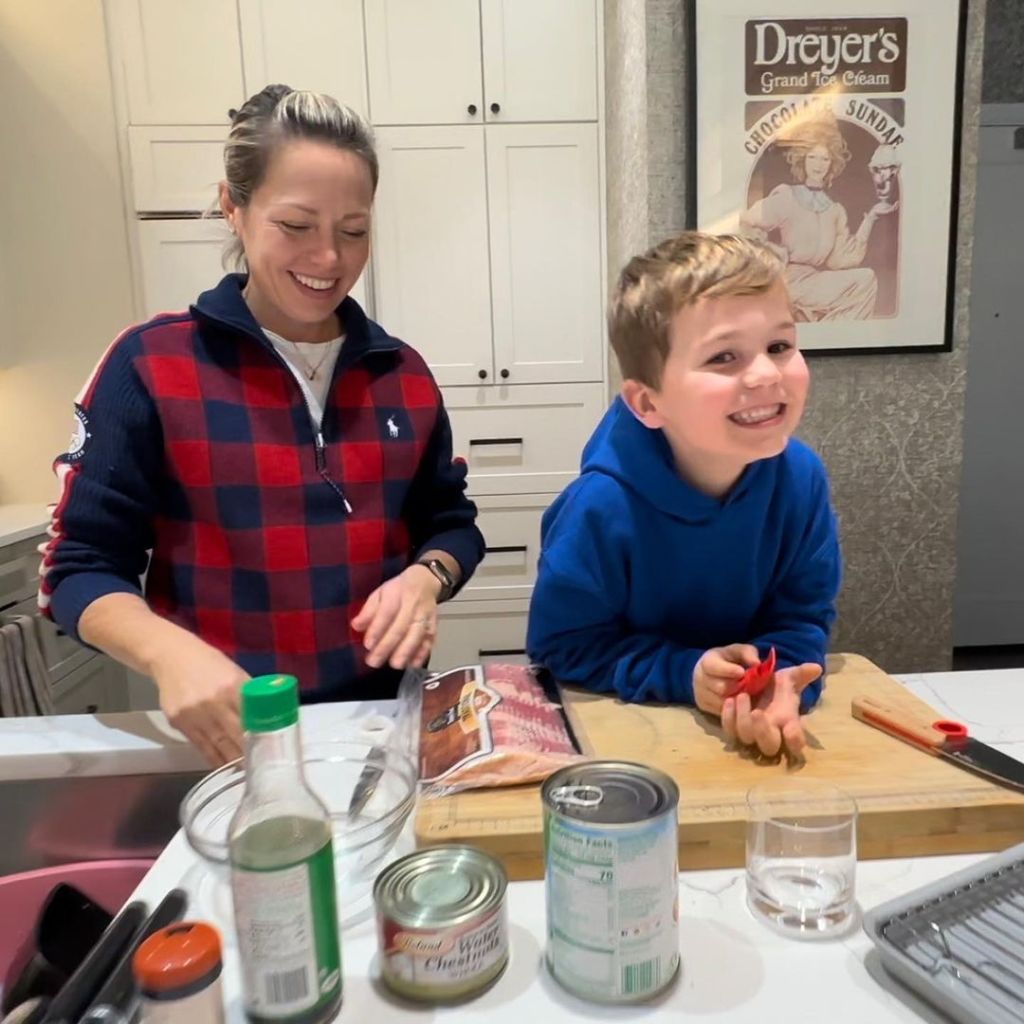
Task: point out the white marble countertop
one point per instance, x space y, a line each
734 968
20 521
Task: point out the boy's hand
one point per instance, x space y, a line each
774 716
718 670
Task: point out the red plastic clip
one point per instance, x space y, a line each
755 679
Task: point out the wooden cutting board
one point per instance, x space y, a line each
910 802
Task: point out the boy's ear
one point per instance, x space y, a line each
642 401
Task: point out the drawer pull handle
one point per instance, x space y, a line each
4 607
500 652
506 549
494 440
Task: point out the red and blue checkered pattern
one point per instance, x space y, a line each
200 448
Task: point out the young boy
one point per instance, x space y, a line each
699 533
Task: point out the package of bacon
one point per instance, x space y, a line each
493 725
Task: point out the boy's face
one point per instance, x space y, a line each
733 387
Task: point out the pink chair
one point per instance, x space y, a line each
107 882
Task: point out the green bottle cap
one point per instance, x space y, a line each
269 703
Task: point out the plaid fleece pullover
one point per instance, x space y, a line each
195 462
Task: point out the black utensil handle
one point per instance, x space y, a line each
69 1003
116 996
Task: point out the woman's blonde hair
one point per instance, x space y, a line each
653 287
803 134
276 115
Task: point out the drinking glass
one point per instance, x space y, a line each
802 856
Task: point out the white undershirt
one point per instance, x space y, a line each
302 361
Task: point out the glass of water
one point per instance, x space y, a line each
802 856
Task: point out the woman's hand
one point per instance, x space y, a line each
399 619
773 718
200 695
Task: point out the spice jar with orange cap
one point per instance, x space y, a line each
177 970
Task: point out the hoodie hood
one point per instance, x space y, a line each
641 460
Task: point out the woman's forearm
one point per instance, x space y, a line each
126 628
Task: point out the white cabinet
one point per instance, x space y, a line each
315 45
545 244
458 61
99 685
181 62
431 279
523 440
175 169
540 60
180 259
474 632
423 61
492 267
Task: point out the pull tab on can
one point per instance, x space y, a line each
578 796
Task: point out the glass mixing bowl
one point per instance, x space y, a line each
363 844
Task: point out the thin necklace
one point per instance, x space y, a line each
312 371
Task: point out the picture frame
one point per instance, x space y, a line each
831 132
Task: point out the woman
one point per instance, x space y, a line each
823 259
287 463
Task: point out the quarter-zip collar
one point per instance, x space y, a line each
224 306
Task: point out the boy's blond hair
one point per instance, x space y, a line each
653 287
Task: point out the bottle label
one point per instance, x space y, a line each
287 926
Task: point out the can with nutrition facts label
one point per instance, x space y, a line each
611 879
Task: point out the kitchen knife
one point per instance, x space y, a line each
367 781
941 738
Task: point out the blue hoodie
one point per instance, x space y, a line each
640 573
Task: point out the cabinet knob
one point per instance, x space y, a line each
495 108
482 374
504 374
471 109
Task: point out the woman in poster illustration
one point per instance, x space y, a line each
809 229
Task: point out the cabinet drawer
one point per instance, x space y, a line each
526 438
474 632
19 571
176 169
511 528
98 685
60 652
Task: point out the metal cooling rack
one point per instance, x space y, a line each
960 941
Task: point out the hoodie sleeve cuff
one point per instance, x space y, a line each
76 592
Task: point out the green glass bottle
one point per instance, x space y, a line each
282 869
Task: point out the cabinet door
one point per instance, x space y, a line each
544 197
540 60
181 62
316 45
181 258
423 61
175 169
430 248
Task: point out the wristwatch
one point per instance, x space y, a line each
444 577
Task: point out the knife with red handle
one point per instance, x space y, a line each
941 738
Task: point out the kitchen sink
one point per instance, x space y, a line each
68 819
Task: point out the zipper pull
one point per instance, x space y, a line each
321 468
321 457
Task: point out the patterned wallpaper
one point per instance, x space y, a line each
1003 75
888 427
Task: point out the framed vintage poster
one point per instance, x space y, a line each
831 131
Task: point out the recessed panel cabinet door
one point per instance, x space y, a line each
315 45
540 60
424 61
181 62
545 237
430 261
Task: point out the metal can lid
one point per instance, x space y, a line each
439 887
610 792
